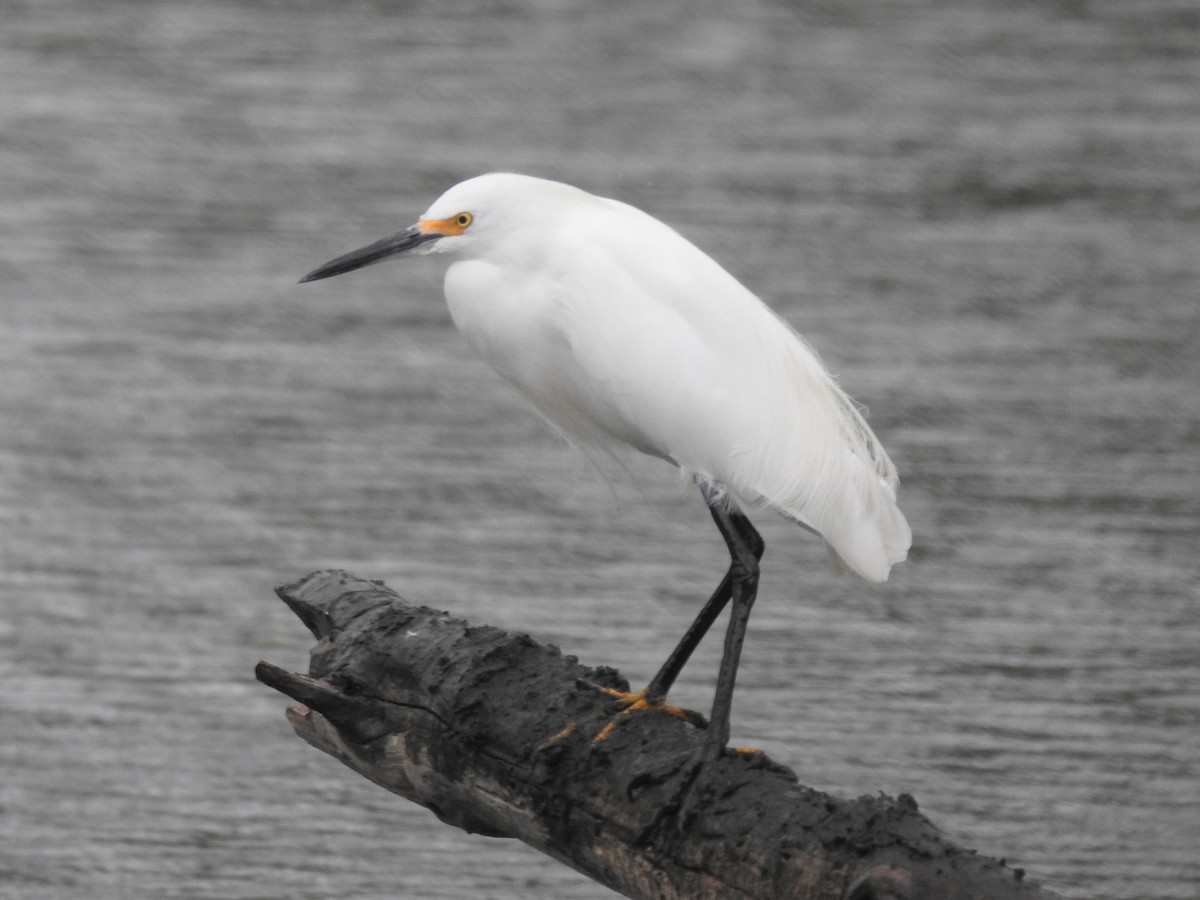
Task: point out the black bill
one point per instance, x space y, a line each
396 244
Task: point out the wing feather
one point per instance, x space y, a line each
676 357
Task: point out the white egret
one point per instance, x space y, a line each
620 331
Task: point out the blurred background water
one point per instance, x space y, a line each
985 216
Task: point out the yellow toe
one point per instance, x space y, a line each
638 703
625 704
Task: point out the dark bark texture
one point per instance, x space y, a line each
459 718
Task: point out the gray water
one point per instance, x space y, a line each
985 216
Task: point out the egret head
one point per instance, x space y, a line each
467 215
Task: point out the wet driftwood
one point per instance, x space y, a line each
458 717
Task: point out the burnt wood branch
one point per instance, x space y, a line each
460 718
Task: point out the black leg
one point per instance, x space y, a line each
745 549
740 582
662 682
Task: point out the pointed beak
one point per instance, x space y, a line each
395 245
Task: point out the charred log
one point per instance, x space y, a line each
460 719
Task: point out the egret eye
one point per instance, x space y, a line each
463 219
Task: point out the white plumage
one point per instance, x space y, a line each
620 331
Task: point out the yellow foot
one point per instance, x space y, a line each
747 752
628 704
624 704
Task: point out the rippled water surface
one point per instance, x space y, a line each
986 217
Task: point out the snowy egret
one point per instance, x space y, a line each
620 331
